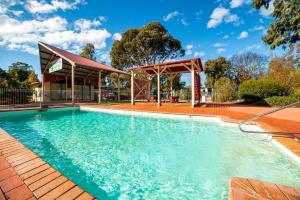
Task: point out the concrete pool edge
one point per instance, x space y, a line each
24 173
216 119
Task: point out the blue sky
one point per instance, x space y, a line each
206 28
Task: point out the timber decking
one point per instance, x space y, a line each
25 176
251 189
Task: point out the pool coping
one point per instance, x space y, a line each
197 118
24 175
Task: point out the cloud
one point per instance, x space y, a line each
221 14
85 24
226 37
23 35
220 50
171 15
36 6
219 45
189 49
243 35
254 46
257 28
199 53
117 36
183 22
238 3
267 12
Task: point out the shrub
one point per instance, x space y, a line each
256 90
224 90
281 100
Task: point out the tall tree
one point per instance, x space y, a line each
248 65
215 69
88 51
18 75
3 78
147 45
285 30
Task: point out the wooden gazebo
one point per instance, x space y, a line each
170 69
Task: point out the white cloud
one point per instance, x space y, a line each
117 36
254 46
171 15
257 28
23 35
221 14
189 49
243 35
85 24
219 45
226 37
267 12
238 3
36 6
199 53
184 22
220 50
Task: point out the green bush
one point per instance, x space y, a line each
256 90
224 90
281 100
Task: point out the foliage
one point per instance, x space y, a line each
215 69
282 100
285 29
285 69
20 76
224 90
147 45
255 90
248 65
88 51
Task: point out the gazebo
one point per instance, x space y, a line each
141 77
61 65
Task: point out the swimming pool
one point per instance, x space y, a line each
131 157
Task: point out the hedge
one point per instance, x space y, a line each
283 100
256 90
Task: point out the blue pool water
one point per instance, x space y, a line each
129 157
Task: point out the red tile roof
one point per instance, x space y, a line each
78 60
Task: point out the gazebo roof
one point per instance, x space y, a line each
84 67
180 66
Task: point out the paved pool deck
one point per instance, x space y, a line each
25 176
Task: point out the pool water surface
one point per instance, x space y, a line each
131 157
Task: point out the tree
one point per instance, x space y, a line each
88 52
285 70
3 78
285 29
215 69
224 90
148 45
18 75
248 65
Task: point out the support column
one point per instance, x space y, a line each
171 83
119 88
73 84
158 88
193 85
43 88
132 88
99 87
66 88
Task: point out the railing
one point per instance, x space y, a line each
267 113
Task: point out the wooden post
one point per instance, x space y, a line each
171 83
66 88
158 88
43 87
132 88
73 84
99 87
119 88
193 85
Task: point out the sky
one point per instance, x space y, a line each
206 28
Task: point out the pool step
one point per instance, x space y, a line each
251 189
